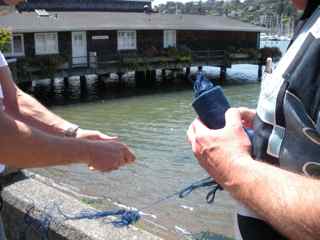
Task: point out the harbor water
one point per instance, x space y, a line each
154 125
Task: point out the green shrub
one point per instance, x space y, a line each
5 38
46 65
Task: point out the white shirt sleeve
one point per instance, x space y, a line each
3 61
1 93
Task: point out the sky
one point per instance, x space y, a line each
156 2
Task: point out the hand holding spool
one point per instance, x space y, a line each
211 104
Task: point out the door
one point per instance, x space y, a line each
79 48
169 38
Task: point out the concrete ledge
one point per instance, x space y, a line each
38 199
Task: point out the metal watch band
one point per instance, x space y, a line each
71 131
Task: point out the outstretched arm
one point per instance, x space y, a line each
286 200
25 108
26 147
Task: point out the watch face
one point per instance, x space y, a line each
71 132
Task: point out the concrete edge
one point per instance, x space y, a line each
41 202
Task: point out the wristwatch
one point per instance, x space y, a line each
71 131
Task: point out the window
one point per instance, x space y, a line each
46 43
127 40
169 38
16 46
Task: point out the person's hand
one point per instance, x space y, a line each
220 151
93 135
108 155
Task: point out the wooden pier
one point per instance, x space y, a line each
143 66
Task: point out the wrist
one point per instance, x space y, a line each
241 175
70 130
67 150
85 151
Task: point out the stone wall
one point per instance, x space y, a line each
31 206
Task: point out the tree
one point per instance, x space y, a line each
5 38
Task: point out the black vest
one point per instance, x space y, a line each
287 126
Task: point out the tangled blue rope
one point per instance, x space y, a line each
41 225
207 182
124 217
128 217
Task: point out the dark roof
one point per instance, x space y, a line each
83 21
85 5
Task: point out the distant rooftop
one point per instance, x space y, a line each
85 5
84 21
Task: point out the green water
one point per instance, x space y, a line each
154 126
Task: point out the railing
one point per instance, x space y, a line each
102 62
89 61
192 56
214 54
209 56
132 59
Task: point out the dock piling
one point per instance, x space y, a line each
150 78
260 73
140 78
100 85
83 82
223 74
66 82
120 79
52 82
83 86
163 75
99 78
187 74
145 79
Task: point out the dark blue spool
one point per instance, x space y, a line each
211 104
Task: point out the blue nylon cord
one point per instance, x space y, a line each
207 182
124 217
128 217
41 225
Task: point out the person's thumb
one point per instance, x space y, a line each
233 118
199 128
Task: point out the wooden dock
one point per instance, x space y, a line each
121 63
